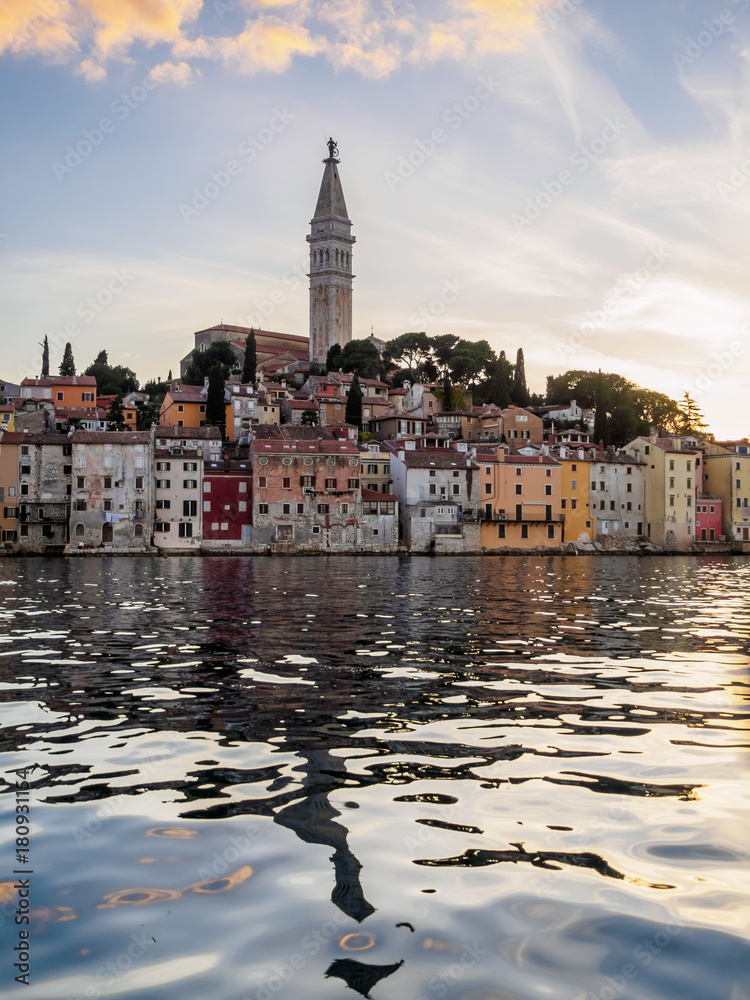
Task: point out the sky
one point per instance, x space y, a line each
569 177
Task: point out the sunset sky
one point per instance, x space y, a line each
567 177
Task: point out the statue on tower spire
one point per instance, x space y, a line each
333 150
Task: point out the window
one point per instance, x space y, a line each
501 530
286 483
689 466
671 482
300 508
163 466
107 505
161 484
24 489
262 508
550 531
330 484
24 530
189 466
262 482
162 526
518 471
628 505
629 488
671 501
593 485
690 484
80 482
548 473
61 395
322 508
690 501
25 451
611 505
26 470
224 526
316 529
524 531
455 473
548 490
11 512
107 482
139 482
138 463
671 465
519 489
286 508
353 484
10 536
601 486
242 506
488 488
601 505
306 481
574 484
344 508
372 470
180 408
206 487
202 408
242 486
11 491
738 484
189 508
87 397
456 489
190 484
433 488
80 505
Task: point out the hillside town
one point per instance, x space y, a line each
265 444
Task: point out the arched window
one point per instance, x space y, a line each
139 531
79 530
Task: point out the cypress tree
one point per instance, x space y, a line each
447 392
45 358
250 365
601 421
116 414
332 356
354 403
500 390
520 393
68 365
215 407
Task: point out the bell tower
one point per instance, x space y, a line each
330 274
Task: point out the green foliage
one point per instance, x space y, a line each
413 352
67 365
499 388
216 413
111 379
45 357
693 421
116 414
448 401
472 362
201 362
332 359
354 403
250 365
362 357
519 392
601 419
310 418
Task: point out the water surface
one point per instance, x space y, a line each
477 779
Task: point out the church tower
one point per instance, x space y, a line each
330 275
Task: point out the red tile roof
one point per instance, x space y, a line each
111 437
61 380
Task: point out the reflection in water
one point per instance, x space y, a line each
365 751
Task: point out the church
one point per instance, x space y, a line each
330 275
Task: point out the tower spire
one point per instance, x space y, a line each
330 275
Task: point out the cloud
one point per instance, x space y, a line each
371 37
180 73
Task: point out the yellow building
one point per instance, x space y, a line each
9 442
183 406
579 523
727 477
520 500
7 417
671 482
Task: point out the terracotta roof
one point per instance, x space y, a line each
374 495
187 397
111 437
438 458
61 380
300 404
245 330
170 431
281 446
13 437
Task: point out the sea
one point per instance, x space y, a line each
470 778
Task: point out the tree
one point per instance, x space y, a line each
500 386
116 414
601 420
332 362
310 417
111 379
448 400
520 393
219 352
250 365
411 351
354 403
443 347
471 362
216 413
693 421
68 365
362 357
45 358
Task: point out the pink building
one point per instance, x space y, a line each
707 520
227 504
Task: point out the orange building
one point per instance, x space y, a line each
9 442
128 411
520 500
67 391
183 406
